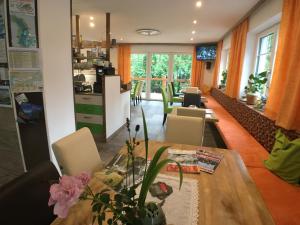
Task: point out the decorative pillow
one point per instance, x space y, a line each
284 160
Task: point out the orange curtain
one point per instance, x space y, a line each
283 104
197 71
124 52
217 64
236 59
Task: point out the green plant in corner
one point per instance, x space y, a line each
125 206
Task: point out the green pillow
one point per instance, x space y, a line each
284 159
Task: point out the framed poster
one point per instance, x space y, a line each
26 81
22 24
3 55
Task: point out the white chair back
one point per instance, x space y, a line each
77 152
185 130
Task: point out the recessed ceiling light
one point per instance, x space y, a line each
195 22
192 39
91 18
121 39
148 32
193 32
198 4
92 24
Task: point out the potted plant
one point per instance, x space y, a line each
223 80
255 85
125 206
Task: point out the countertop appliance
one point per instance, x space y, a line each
80 84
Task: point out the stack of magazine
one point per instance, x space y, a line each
194 161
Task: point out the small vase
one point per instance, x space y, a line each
154 214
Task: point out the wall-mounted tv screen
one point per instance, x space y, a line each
206 52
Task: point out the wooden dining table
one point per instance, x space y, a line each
227 197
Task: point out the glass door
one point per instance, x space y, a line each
139 70
182 67
158 74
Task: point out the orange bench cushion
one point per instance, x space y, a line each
281 198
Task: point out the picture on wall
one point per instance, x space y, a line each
22 21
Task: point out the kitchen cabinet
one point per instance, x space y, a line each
89 113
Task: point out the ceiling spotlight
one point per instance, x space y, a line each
91 18
198 4
195 22
193 32
192 39
148 32
121 39
92 24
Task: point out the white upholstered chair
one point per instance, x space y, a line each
187 128
77 152
194 112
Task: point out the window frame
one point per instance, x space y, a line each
275 30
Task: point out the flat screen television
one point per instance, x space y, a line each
206 52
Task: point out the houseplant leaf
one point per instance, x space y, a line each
152 172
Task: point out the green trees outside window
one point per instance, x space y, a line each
160 64
182 69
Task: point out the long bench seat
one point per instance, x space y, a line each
282 199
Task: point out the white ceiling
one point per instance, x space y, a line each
172 17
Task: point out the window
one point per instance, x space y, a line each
265 54
138 69
158 68
182 67
222 78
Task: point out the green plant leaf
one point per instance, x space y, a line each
151 177
152 165
105 198
146 139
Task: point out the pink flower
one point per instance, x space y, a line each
66 193
84 177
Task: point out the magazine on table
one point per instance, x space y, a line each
194 161
115 173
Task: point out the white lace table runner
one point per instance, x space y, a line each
181 207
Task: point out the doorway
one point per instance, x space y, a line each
157 69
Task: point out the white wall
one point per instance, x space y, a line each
208 75
55 45
117 105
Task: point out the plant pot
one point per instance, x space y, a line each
154 214
251 99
